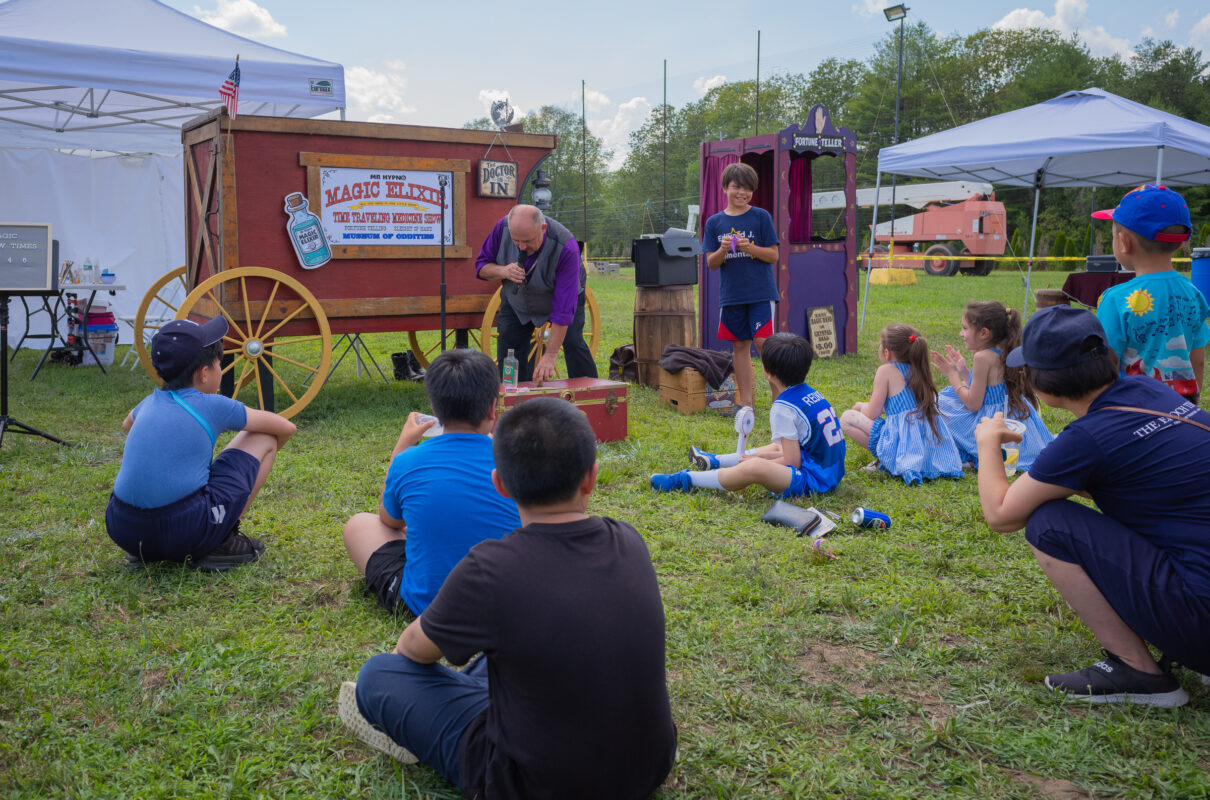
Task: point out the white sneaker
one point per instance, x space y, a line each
360 727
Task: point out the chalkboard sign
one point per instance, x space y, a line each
27 258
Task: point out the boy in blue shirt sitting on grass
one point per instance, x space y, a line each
807 451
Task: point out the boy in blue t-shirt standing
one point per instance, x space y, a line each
438 501
807 452
169 502
742 241
1156 322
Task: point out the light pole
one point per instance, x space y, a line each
896 13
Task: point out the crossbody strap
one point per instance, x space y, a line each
200 421
1159 414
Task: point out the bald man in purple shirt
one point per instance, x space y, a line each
537 262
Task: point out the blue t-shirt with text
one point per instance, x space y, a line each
168 452
802 414
1151 474
743 279
442 488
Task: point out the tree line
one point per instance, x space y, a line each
948 80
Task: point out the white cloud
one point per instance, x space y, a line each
489 96
1171 18
1070 16
868 8
596 101
703 84
615 131
377 96
1176 343
244 17
1199 36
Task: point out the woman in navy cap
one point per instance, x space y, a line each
1135 569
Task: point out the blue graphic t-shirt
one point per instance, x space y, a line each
743 279
1152 322
1151 474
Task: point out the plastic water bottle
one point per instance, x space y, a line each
88 277
510 372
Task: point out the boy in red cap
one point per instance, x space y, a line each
1156 322
169 502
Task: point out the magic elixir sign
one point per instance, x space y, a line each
384 207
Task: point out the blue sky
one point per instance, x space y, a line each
443 63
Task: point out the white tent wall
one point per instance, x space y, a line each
126 211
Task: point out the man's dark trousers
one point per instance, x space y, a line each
513 334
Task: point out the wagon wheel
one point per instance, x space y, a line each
427 344
592 324
168 290
251 337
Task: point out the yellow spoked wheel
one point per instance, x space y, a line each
592 325
158 306
427 344
264 363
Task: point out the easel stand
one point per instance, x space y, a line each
7 422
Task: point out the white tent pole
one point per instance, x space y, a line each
1033 232
869 265
1159 165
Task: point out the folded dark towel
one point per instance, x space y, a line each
714 365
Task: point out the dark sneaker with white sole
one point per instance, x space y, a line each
237 550
1114 681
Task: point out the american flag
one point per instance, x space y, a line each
229 91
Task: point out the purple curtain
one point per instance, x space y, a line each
800 199
713 199
766 180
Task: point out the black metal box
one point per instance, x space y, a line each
666 260
1106 263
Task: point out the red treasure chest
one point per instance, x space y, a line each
602 401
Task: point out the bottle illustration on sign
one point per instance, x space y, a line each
306 233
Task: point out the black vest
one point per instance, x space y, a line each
532 300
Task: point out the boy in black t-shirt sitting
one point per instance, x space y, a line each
569 699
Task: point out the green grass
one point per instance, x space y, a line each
906 668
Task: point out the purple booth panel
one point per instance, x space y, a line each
817 278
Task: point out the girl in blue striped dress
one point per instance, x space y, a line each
990 331
912 441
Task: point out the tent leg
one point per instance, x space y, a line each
869 265
1033 232
1159 165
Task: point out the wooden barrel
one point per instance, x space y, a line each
1051 297
663 315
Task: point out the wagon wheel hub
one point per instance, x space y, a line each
253 348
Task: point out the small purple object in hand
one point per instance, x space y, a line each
732 244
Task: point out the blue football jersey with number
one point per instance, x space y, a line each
802 413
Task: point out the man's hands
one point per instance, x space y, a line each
503 272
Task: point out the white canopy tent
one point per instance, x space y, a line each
119 78
1080 138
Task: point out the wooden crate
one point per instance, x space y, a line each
687 392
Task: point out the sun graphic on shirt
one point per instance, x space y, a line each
1140 302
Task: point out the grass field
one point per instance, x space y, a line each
908 667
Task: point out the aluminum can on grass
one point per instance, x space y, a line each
867 518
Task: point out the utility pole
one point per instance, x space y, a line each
584 159
757 133
664 207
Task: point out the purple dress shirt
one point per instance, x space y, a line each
567 273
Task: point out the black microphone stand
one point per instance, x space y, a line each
7 422
442 180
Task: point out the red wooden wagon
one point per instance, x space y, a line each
255 255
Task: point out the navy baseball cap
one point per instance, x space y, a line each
177 344
1058 338
1148 209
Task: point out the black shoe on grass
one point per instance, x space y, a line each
238 549
1114 681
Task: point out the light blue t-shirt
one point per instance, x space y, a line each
442 488
742 278
168 452
1152 322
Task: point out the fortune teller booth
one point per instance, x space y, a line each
817 266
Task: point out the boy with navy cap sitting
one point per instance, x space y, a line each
1155 322
1136 569
169 502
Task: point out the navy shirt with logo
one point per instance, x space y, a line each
743 279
